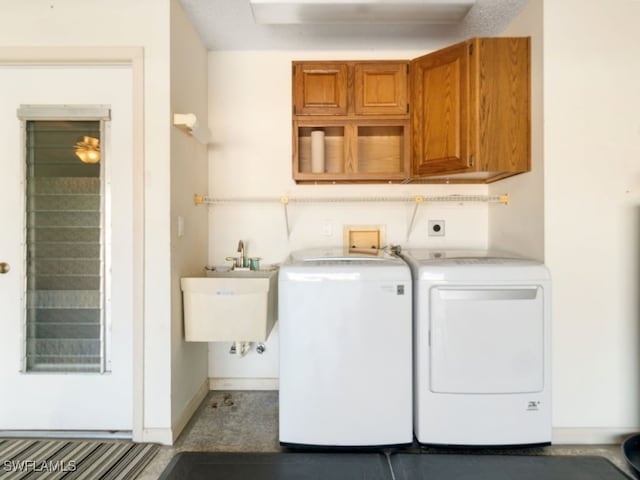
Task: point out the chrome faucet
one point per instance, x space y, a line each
241 252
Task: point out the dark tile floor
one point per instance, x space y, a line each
243 421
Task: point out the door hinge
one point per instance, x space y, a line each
471 49
407 69
293 70
293 108
407 108
470 161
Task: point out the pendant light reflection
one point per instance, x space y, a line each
88 150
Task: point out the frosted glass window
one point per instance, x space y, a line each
64 247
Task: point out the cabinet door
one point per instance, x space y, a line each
381 88
440 96
502 142
320 88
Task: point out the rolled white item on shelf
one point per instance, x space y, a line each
317 151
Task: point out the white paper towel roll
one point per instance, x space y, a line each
317 151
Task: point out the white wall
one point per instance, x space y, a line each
579 210
592 212
189 174
250 119
519 227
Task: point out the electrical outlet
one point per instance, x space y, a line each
436 228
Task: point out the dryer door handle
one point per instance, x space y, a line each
488 293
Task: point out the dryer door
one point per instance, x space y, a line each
487 339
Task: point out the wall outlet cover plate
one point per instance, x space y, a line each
436 228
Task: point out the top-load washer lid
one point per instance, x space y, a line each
341 256
336 264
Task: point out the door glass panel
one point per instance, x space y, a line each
64 246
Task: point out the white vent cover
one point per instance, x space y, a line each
360 11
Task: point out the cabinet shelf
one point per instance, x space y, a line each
334 149
380 149
354 150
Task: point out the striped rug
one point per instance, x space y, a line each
73 460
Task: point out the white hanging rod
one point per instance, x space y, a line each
417 200
284 200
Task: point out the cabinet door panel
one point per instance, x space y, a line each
502 66
381 88
320 88
440 111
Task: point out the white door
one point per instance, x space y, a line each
47 392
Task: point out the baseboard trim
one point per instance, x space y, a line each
69 434
244 384
591 435
189 410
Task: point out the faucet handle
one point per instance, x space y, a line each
235 262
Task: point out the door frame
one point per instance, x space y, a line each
132 57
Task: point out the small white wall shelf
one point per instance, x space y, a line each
190 122
417 200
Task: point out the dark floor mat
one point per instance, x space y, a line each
277 466
408 466
631 451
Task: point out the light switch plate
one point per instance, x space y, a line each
180 226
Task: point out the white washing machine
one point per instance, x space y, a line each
482 373
345 350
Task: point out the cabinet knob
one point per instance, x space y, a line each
4 267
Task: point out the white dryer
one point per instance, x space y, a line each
481 349
345 350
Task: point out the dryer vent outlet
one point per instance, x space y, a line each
436 228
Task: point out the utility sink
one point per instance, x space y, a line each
230 306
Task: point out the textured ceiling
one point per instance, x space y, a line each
229 25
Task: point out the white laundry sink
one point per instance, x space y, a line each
230 306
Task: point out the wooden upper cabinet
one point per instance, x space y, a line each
320 88
471 110
459 115
352 118
380 88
